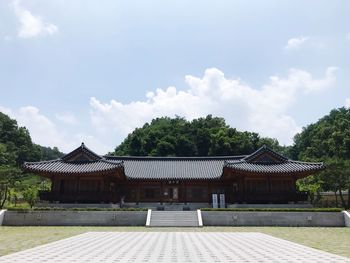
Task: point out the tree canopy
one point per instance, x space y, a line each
207 136
327 140
16 147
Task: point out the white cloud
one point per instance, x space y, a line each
262 110
347 103
66 117
45 132
297 42
31 25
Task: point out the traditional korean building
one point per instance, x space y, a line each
83 176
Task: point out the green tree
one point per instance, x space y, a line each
31 195
313 185
328 140
8 176
336 178
17 147
199 137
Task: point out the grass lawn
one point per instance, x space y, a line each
334 240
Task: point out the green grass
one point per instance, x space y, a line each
334 240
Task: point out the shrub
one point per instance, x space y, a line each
20 209
273 209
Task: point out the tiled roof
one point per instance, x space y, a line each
286 167
59 166
81 152
80 161
84 161
169 168
265 160
264 151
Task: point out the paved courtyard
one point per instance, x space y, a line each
172 247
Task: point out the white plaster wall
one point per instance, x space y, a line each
346 218
2 215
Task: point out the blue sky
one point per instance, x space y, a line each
92 71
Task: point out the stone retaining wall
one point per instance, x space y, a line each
75 218
138 218
223 218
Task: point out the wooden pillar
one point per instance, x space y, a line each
102 186
269 187
209 189
51 198
77 181
294 188
52 183
244 199
161 192
185 191
138 193
78 186
294 182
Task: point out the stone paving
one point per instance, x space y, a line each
172 247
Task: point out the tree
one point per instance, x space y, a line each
336 178
313 185
8 177
328 140
17 147
199 137
329 137
31 195
164 148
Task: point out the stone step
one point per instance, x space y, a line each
173 225
174 218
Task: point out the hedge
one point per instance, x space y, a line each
273 209
74 209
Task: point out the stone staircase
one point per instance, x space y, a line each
174 219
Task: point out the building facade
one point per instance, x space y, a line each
82 176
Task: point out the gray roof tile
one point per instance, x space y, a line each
169 168
286 167
84 161
59 166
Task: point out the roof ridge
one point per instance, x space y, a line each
189 158
44 161
304 162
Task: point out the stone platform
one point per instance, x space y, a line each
172 247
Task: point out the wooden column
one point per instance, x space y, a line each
78 186
77 181
244 199
52 183
269 186
138 193
185 192
161 192
209 193
294 188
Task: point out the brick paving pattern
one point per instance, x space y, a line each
172 247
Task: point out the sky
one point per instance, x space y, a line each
92 71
